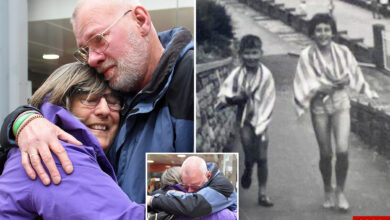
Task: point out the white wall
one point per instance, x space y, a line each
14 87
58 9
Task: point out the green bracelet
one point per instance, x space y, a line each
20 121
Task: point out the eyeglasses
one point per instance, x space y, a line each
114 102
193 186
97 44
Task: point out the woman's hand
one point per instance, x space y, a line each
35 141
340 84
372 95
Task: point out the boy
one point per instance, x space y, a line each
250 86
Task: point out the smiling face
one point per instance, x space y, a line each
100 119
124 62
323 35
251 57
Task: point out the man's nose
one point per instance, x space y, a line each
190 190
95 59
102 107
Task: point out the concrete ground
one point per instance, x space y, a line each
295 183
356 20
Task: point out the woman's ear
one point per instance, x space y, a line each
143 20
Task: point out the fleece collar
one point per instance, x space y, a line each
175 42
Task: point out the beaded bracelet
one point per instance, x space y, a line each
26 122
17 123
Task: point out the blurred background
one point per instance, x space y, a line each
34 28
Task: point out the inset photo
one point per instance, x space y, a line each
193 185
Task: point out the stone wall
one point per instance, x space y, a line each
212 135
372 125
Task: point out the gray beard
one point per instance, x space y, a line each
128 78
132 68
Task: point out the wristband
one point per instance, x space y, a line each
19 121
15 131
26 122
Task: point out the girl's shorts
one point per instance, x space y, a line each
330 103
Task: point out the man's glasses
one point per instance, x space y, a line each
193 186
114 102
97 44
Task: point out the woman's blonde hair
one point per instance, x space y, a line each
170 177
63 82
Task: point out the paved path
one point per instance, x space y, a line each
356 20
295 182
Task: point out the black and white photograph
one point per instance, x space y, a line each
300 88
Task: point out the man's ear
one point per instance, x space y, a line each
143 20
208 174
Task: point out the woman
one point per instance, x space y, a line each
170 180
171 185
325 72
78 100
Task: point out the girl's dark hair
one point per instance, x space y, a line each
249 41
322 18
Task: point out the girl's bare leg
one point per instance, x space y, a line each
341 125
322 130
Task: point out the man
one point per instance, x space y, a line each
209 191
155 71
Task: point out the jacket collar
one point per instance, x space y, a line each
175 42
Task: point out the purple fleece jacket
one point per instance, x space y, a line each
90 192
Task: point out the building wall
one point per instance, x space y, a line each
14 87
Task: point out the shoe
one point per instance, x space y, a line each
342 202
246 179
329 201
265 201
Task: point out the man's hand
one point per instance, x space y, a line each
35 142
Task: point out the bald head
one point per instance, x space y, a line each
109 5
194 173
194 163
